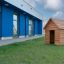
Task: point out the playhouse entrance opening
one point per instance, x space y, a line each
52 36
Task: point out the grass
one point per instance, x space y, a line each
32 52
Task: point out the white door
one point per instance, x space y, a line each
30 27
15 19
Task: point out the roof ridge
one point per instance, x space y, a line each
57 19
57 22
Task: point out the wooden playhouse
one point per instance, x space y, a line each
54 32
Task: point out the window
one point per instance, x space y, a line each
15 24
30 27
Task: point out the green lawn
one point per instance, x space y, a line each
32 52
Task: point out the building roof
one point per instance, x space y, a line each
25 6
58 23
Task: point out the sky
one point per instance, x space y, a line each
49 8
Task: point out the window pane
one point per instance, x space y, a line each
15 18
30 27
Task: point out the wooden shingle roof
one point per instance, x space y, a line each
58 23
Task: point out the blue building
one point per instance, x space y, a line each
18 19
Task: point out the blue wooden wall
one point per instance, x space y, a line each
37 26
22 25
7 22
27 25
0 22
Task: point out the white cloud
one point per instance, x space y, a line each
59 15
53 4
56 6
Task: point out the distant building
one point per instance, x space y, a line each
18 19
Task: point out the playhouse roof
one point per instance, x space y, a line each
58 23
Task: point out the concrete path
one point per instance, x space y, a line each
11 41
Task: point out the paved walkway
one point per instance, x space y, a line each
11 41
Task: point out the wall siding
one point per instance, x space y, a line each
1 21
33 27
36 27
39 27
22 25
62 36
52 26
27 25
7 22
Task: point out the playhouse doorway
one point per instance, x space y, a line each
52 36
